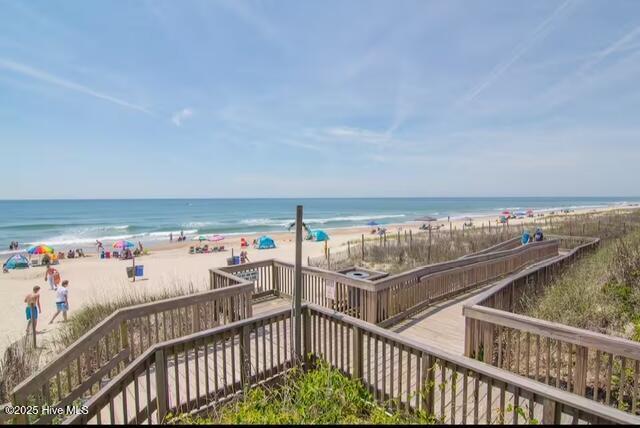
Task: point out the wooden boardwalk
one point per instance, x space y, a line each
195 375
442 324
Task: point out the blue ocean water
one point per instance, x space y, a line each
80 222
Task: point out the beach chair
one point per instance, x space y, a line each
35 262
221 248
205 249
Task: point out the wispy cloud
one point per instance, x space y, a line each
180 116
357 135
43 76
538 34
622 44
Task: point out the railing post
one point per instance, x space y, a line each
20 418
245 355
488 338
306 346
428 383
358 356
468 337
581 368
550 412
275 278
196 319
124 337
162 387
372 306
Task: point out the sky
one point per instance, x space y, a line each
286 98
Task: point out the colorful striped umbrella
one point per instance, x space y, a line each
40 249
216 238
122 244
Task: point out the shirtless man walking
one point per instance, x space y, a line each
33 307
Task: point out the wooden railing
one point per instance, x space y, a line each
196 372
391 298
107 348
401 295
600 367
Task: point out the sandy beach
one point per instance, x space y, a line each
170 264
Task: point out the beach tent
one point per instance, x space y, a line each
320 235
265 242
17 261
372 223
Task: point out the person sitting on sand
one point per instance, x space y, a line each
33 307
62 301
71 254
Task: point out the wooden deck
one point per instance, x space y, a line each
442 324
196 373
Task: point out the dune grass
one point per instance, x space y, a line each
318 397
601 292
93 312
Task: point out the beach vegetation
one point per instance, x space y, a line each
320 396
600 292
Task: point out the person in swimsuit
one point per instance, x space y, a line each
53 277
33 307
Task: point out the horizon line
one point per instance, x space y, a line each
308 197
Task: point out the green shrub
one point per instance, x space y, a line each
320 396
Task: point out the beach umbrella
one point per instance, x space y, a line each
372 223
200 238
122 244
216 238
40 249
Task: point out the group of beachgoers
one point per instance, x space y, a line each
527 238
32 300
13 245
180 238
126 253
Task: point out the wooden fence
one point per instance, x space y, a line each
199 372
108 348
600 367
394 297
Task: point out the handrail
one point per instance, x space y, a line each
128 331
577 336
504 283
461 263
320 340
578 360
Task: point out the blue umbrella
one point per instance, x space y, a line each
372 223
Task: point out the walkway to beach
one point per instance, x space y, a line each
442 324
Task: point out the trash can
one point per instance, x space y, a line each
130 271
139 270
236 260
230 261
